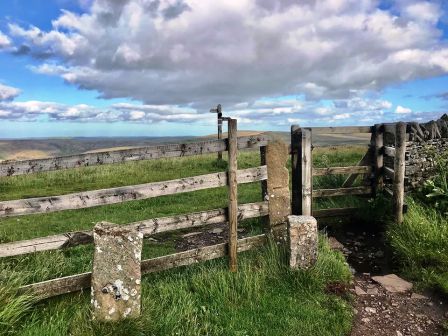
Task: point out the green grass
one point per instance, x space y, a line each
198 300
421 245
264 297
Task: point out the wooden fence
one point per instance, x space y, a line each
93 198
302 194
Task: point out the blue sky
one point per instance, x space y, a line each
154 68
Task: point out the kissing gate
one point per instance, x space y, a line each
277 203
378 177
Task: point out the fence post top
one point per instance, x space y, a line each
301 219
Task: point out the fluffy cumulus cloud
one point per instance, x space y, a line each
8 92
199 52
180 57
40 110
4 41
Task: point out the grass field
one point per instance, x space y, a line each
198 300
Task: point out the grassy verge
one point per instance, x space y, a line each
206 299
421 245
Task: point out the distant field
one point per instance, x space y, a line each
41 148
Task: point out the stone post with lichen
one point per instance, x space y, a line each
302 241
116 276
278 188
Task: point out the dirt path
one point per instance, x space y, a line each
381 312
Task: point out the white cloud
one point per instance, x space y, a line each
200 53
8 92
4 41
402 110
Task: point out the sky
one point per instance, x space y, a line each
157 67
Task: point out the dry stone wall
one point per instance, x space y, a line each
426 142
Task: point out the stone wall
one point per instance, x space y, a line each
426 141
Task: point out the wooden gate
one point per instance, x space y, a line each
371 166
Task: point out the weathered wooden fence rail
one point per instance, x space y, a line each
93 198
14 168
77 282
148 227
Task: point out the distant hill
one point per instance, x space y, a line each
41 148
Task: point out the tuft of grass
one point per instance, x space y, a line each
421 245
12 306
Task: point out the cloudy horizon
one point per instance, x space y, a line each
156 67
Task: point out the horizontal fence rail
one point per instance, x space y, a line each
73 283
342 170
389 151
147 227
388 172
342 191
341 130
336 212
14 168
93 198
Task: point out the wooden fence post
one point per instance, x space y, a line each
302 178
233 193
399 171
306 172
264 184
295 171
378 159
219 115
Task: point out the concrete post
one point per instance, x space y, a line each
116 276
302 241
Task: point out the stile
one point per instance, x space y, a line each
233 193
399 170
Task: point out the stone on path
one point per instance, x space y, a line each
116 276
416 296
393 283
335 244
359 291
302 241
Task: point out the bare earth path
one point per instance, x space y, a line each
380 311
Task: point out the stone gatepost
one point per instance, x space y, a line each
302 241
278 188
116 276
